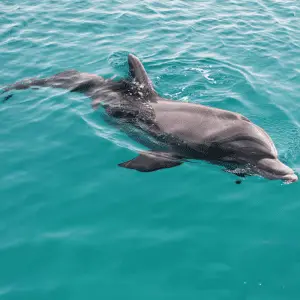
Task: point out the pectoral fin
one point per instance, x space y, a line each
152 161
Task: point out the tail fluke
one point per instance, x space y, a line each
6 97
22 85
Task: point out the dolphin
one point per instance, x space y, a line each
174 132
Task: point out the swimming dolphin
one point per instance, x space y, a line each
174 131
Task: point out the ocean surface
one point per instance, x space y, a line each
73 225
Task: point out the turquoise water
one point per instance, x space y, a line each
75 226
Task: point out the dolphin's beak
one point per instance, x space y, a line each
273 168
290 178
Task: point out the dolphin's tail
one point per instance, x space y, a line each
71 80
22 85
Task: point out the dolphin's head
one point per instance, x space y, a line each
273 168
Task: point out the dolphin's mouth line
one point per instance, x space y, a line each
287 178
290 178
254 169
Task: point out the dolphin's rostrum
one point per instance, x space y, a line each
174 131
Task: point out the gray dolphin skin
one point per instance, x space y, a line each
174 132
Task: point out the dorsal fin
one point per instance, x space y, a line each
139 74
